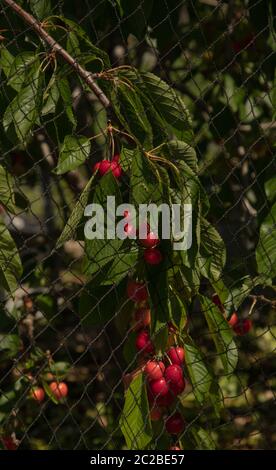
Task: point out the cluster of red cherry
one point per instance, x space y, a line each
152 255
58 389
106 165
165 380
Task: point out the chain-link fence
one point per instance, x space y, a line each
126 342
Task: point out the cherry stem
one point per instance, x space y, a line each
124 133
252 307
156 148
161 159
98 135
168 358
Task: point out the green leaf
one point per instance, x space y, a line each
145 187
204 440
6 60
160 130
99 252
188 192
117 267
99 304
49 393
51 97
222 335
76 215
23 111
270 186
221 290
159 298
6 189
73 45
41 8
80 32
126 157
66 96
178 310
119 6
240 292
199 374
134 420
74 151
9 345
179 150
132 114
60 369
19 68
169 104
216 398
212 251
266 248
10 263
125 262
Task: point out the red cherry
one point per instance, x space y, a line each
175 424
97 166
234 319
59 390
104 167
156 413
152 256
137 291
177 388
159 387
116 169
243 327
166 400
176 355
129 230
143 342
143 227
173 374
151 241
154 370
38 394
116 158
174 448
142 317
9 443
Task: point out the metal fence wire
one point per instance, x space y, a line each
132 344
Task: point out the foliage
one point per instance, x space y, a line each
185 127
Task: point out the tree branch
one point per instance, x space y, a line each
56 47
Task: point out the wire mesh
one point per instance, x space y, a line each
68 328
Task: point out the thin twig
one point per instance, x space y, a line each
254 301
56 47
264 299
